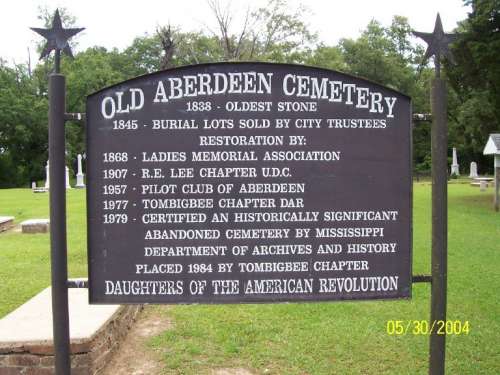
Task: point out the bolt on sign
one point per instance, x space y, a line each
248 182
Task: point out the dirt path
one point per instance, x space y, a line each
134 357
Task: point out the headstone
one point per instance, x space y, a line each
35 226
473 170
483 185
6 222
47 181
79 176
68 186
33 185
454 165
496 196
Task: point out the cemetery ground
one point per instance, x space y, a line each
312 338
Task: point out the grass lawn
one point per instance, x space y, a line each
25 258
315 338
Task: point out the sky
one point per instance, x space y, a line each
115 23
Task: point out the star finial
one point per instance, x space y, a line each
437 44
57 37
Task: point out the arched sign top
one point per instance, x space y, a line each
255 66
248 182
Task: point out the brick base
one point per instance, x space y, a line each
87 357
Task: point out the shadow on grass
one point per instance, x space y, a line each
484 199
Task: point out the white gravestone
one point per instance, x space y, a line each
79 176
33 185
68 186
47 182
454 164
473 170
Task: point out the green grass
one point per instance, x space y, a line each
25 258
315 338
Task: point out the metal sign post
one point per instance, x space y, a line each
57 40
58 250
438 42
439 137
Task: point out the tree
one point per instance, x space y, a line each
267 34
147 52
90 71
276 33
387 56
475 79
272 33
328 57
168 44
23 128
384 55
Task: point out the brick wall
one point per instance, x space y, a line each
87 357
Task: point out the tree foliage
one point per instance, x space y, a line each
23 128
386 55
272 33
475 79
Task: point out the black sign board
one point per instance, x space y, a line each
248 182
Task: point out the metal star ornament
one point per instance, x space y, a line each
437 44
57 37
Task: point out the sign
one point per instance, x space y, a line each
248 182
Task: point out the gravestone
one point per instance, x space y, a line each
47 176
36 189
473 170
35 226
454 165
79 176
483 185
493 148
68 186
